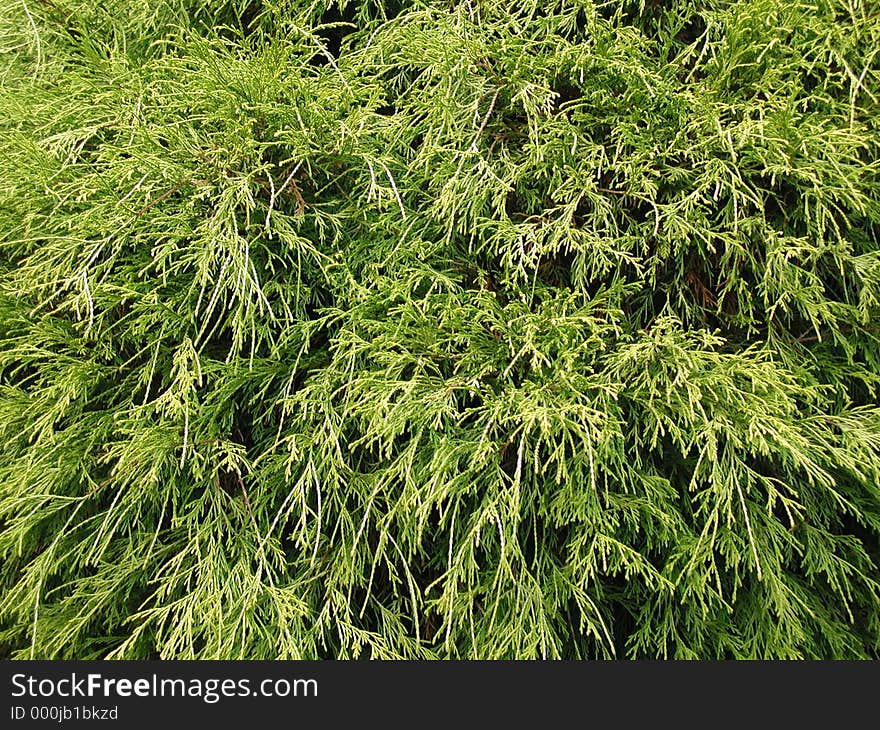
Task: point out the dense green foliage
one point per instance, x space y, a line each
440 329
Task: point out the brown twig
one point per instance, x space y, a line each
164 196
247 501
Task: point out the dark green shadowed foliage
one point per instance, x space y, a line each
440 329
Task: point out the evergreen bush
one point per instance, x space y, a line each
440 329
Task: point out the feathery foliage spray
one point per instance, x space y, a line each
440 329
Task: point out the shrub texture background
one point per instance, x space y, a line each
440 329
